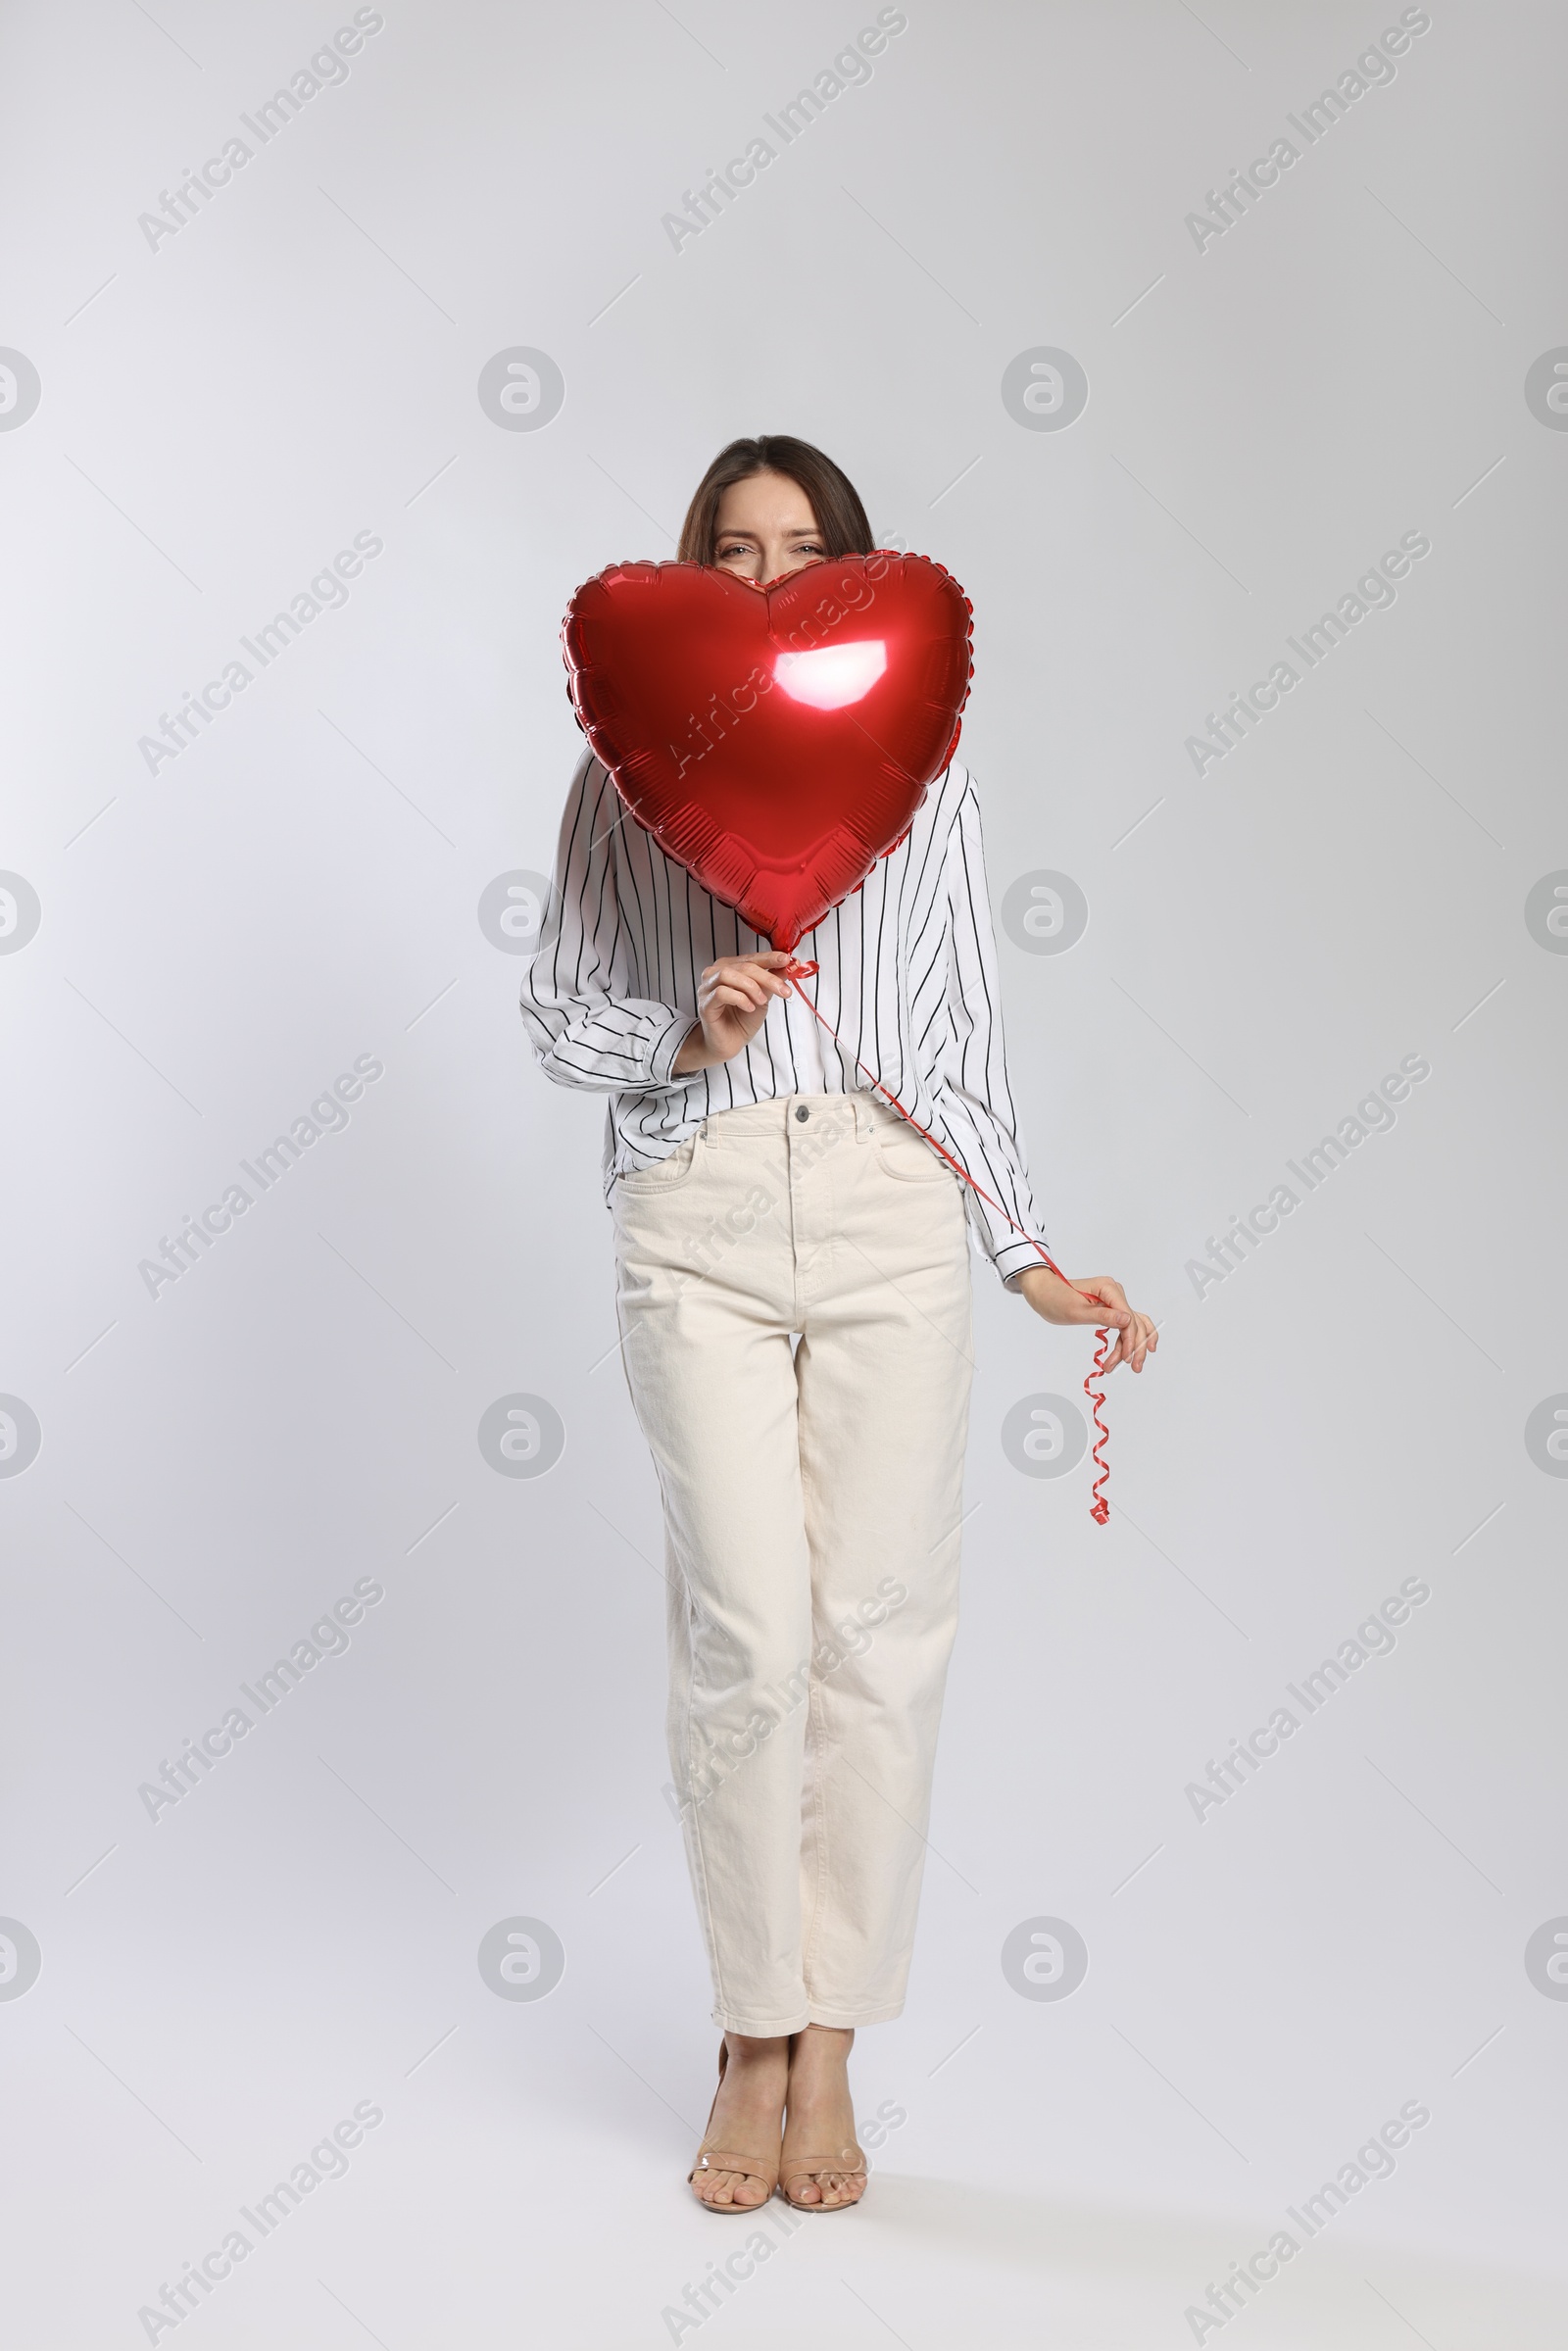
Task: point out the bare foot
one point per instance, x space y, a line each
746 2119
822 2118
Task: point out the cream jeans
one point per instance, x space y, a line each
812 1509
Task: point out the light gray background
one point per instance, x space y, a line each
218 418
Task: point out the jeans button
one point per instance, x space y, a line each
803 1111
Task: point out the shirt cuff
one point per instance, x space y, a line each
661 1060
1014 1258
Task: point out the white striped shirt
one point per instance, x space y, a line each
907 978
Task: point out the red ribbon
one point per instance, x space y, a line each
1099 1508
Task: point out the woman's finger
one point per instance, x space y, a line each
740 991
1130 1342
741 974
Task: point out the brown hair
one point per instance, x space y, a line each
834 499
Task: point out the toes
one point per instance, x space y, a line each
809 2193
725 2190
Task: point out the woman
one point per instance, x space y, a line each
793 1303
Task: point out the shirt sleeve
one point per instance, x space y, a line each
586 1028
976 1099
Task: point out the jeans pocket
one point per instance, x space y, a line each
911 1162
664 1175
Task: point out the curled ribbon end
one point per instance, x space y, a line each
1098 1507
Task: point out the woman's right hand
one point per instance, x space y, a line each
732 1001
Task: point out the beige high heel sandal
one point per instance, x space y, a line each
822 2163
725 2159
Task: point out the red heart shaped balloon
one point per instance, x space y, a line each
776 742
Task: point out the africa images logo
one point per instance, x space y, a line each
1373 68
851 67
326 1116
1373 592
180 205
327 592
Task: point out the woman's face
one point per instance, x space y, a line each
766 528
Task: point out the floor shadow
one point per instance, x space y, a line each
1184 2252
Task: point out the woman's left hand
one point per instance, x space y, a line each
1104 1305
